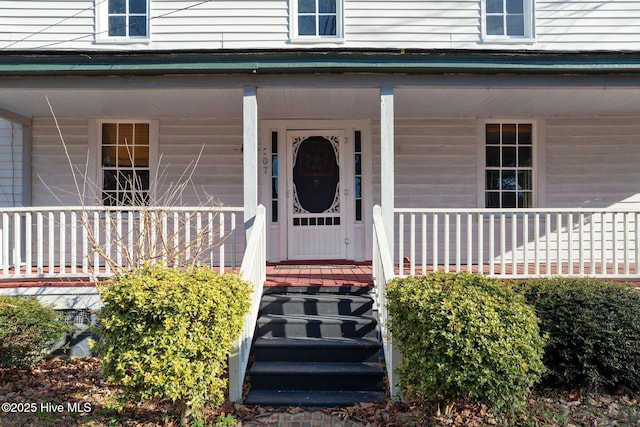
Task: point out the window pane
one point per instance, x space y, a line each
509 156
307 25
327 25
492 180
117 6
327 6
524 134
525 156
515 6
141 134
358 164
493 134
274 165
306 6
509 180
509 134
274 211
137 26
141 156
358 210
108 155
138 6
495 26
494 6
525 180
493 200
109 180
125 155
509 200
493 156
358 187
117 26
525 200
274 188
515 25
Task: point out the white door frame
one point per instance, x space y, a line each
357 237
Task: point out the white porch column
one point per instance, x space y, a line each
387 170
250 155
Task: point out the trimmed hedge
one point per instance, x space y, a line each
167 333
27 331
593 328
464 336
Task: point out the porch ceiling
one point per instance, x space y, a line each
321 102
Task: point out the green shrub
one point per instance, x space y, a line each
464 336
167 334
593 328
27 331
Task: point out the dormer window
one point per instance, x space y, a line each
508 19
316 20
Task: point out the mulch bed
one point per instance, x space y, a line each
71 392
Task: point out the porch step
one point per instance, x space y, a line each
329 349
316 326
313 398
316 348
328 304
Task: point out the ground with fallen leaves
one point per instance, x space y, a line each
64 392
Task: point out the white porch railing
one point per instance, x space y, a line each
520 243
48 242
253 270
383 272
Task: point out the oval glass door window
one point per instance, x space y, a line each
315 176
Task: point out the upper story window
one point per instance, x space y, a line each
125 163
508 19
313 20
509 165
122 20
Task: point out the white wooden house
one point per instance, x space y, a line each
500 136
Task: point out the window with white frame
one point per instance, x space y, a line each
125 165
316 19
509 165
122 20
508 19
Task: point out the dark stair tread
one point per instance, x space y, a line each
314 290
314 318
329 342
312 398
328 298
317 368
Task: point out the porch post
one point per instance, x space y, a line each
250 156
387 170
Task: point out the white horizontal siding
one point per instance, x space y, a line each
592 161
236 24
10 164
435 163
218 173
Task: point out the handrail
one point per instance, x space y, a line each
253 270
383 272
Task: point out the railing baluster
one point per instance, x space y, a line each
514 243
636 217
458 242
39 244
28 243
559 242
96 242
570 241
503 244
536 243
412 245
221 247
469 242
85 242
626 242
107 241
435 242
525 243
74 242
447 237
581 244
423 265
614 240
17 238
480 243
592 246
62 234
401 245
492 242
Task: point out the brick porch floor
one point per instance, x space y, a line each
329 274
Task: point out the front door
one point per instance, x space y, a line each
315 201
